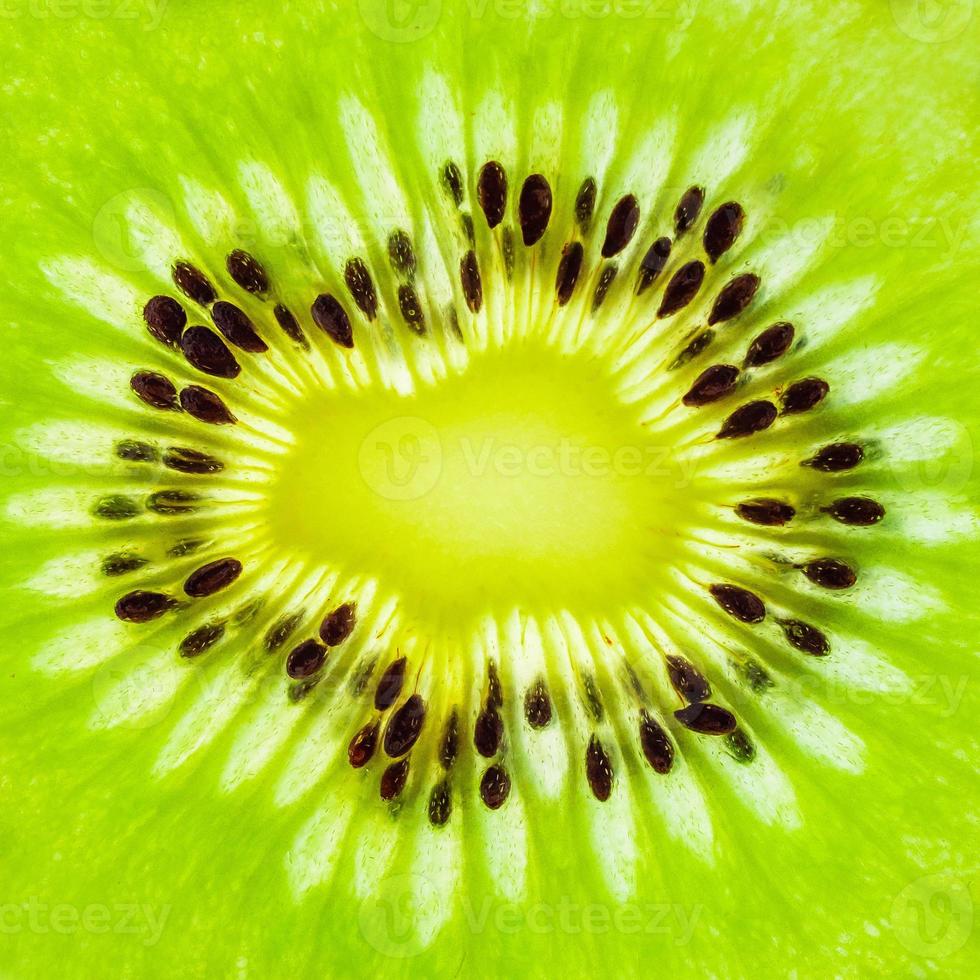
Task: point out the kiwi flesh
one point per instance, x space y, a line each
470 512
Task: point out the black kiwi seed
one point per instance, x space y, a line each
534 208
656 744
830 573
116 508
687 680
488 732
411 308
290 326
201 639
449 744
136 452
401 254
338 624
495 693
682 288
740 746
171 502
154 389
688 209
452 180
805 637
121 563
706 718
491 192
836 457
745 606
141 606
247 272
206 351
205 406
569 268
165 319
390 685
606 278
537 705
332 319
185 460
236 327
747 420
361 287
621 226
711 384
495 787
598 769
653 264
698 345
857 511
469 277
803 395
440 803
404 727
280 631
363 744
305 659
766 512
585 204
212 577
734 297
393 780
193 283
771 344
722 228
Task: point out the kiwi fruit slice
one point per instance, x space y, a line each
488 492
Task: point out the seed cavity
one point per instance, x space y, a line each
165 319
803 395
247 272
466 220
452 180
743 605
440 803
804 637
491 192
697 346
116 508
469 277
598 769
449 744
734 297
722 228
537 705
193 283
201 639
390 685
305 659
206 351
830 573
682 288
652 264
747 420
185 460
121 563
205 406
339 624
585 204
766 512
836 457
495 694
688 209
621 226
592 699
569 268
136 452
657 747
154 389
361 287
393 780
488 732
739 746
280 631
172 502
401 254
290 326
404 727
141 606
362 745
687 680
606 279
411 308
212 577
236 327
534 208
770 345
332 319
713 383
495 787
706 718
857 511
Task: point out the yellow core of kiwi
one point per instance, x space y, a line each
522 482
